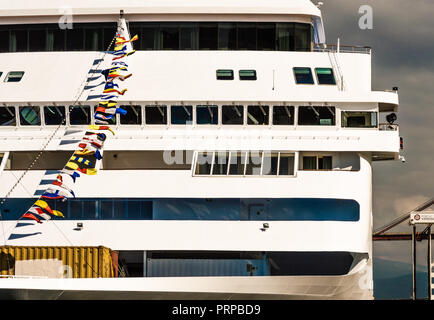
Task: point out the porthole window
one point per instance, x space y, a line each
14 76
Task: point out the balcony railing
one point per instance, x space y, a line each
388 127
343 48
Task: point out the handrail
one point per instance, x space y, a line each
343 48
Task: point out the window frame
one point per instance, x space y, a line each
41 119
325 84
310 72
7 77
359 111
16 116
254 77
145 118
225 78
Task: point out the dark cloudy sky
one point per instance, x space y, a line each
402 40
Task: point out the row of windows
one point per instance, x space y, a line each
160 36
253 163
292 209
13 76
188 114
302 75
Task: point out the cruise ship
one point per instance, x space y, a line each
241 170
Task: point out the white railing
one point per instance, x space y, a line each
343 48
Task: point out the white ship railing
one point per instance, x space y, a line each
343 48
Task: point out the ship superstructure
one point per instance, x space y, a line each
243 168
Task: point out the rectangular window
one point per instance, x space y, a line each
309 163
246 36
203 163
37 39
18 41
359 119
270 164
303 36
283 115
93 39
248 75
156 114
54 115
133 115
169 36
227 36
106 209
254 162
324 162
4 45
325 76
316 116
75 209
225 74
303 75
56 39
285 36
266 33
237 163
7 116
317 163
257 115
208 36
286 164
14 76
149 35
30 116
188 36
233 115
79 115
220 165
207 114
75 39
181 115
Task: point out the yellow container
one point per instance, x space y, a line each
70 262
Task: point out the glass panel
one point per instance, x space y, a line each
266 36
181 114
18 41
221 160
325 163
133 209
4 44
156 114
207 114
30 116
358 119
270 164
283 115
90 209
7 116
106 209
316 116
203 164
257 115
253 166
75 209
133 116
285 36
75 39
246 36
189 36
93 39
79 115
225 74
150 37
286 165
169 37
14 76
54 115
237 163
56 39
208 36
119 209
303 76
325 76
227 36
146 210
247 74
303 36
37 39
309 163
232 115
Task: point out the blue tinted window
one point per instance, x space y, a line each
325 76
303 76
207 115
181 114
30 116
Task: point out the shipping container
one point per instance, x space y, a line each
57 262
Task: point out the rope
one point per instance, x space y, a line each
49 139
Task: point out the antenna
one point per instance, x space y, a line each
121 14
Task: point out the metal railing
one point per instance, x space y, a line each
343 48
388 127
